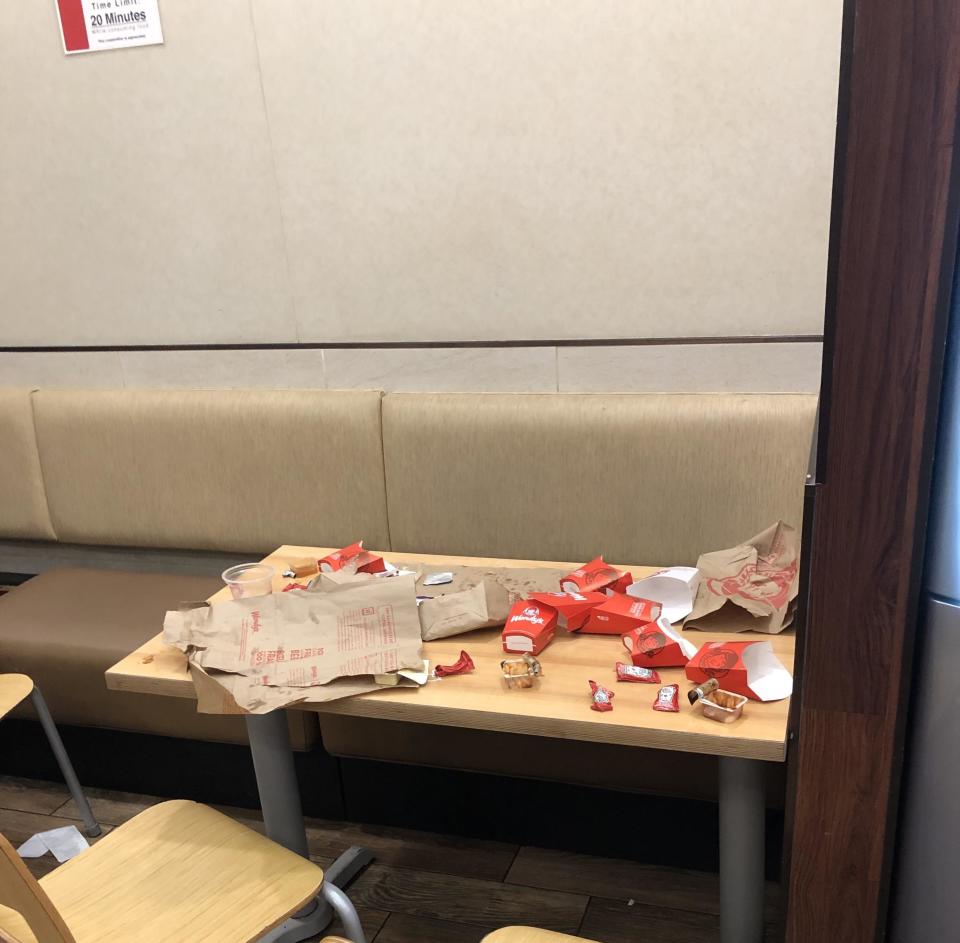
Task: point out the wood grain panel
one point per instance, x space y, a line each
465 900
892 259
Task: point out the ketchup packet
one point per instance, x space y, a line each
290 586
463 664
668 699
602 697
592 577
637 673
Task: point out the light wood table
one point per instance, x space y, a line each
558 707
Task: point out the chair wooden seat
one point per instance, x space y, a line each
13 690
177 873
530 935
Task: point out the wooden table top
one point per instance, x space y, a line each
559 707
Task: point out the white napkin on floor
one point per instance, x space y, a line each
65 843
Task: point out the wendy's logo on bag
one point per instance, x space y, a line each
717 664
761 581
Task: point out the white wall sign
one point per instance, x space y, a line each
95 25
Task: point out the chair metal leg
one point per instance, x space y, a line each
90 825
345 910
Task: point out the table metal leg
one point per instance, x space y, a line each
283 817
742 811
90 825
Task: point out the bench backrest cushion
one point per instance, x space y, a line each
657 478
23 505
242 470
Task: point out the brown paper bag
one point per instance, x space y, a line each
750 587
272 651
478 597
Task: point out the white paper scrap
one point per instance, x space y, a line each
437 579
64 843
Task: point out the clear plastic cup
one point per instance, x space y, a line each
249 579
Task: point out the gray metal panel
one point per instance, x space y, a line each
943 550
926 902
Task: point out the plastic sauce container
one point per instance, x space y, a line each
249 579
723 706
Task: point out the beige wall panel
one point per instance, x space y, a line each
61 369
290 369
23 504
137 187
451 169
691 368
473 369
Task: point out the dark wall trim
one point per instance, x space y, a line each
427 345
894 250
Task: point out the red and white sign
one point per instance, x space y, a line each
96 25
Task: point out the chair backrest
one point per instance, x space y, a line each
652 477
20 891
228 470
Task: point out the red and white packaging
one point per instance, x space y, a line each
530 627
620 586
636 674
668 699
602 697
657 645
619 614
352 559
593 577
573 609
747 668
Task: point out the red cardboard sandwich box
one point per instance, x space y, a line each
618 614
593 577
657 645
748 668
620 586
573 609
530 627
352 559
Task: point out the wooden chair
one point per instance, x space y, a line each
530 935
15 688
179 872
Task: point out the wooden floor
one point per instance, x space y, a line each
428 888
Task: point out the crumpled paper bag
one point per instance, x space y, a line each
477 598
750 587
267 652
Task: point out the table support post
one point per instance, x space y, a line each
277 780
742 811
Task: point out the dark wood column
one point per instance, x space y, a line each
892 252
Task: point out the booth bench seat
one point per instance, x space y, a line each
641 478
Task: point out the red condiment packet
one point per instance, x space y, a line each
637 673
290 586
463 663
602 697
668 698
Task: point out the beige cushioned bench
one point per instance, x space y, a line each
646 478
